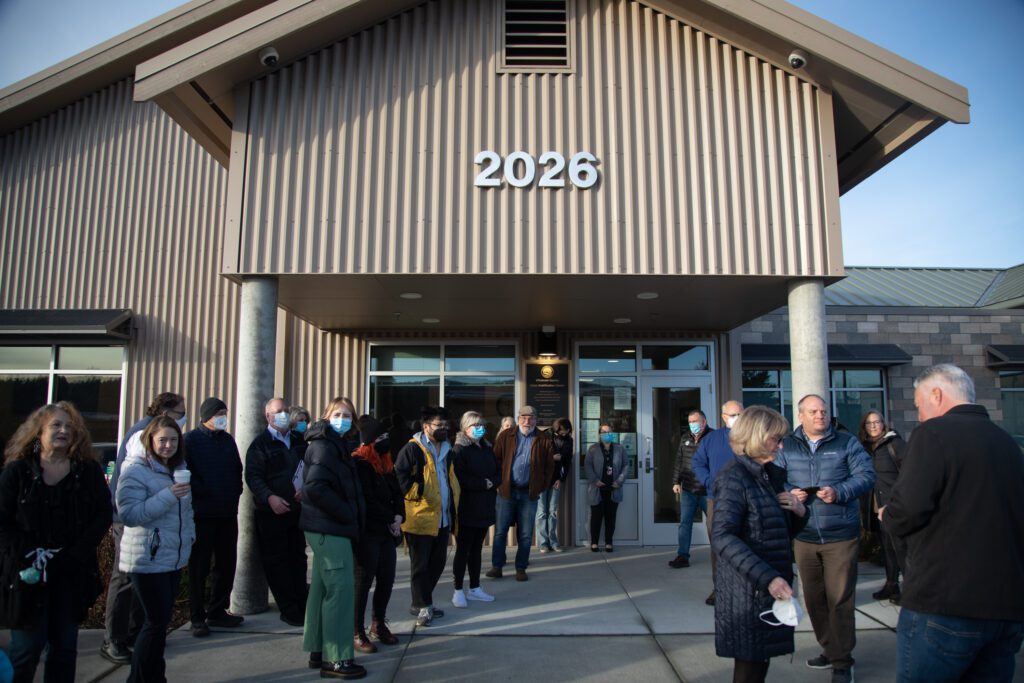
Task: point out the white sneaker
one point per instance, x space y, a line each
459 599
479 594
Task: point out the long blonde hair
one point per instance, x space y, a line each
25 441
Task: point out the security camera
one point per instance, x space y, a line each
269 57
798 59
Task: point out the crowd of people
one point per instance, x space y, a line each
950 504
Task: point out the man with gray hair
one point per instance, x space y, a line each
959 506
526 457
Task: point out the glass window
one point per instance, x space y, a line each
479 358
405 395
1012 394
607 359
98 399
19 396
756 397
760 379
851 406
405 359
857 379
493 396
611 401
675 357
90 357
25 357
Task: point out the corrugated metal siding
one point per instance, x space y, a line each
109 204
361 155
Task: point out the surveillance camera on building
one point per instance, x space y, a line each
269 57
798 59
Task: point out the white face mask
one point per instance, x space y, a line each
181 421
730 421
787 612
220 422
281 420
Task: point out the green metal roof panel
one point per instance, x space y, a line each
1008 286
912 287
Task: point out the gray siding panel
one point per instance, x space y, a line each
109 204
361 155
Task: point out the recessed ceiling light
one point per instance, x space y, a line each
432 321
629 350
613 360
647 295
622 321
410 295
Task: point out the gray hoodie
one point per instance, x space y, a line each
159 529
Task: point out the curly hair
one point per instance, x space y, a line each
165 401
26 439
158 423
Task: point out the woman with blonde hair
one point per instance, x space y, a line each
54 511
751 535
332 517
476 468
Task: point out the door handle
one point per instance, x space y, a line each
647 465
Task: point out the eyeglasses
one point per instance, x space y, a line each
439 425
527 417
732 414
874 423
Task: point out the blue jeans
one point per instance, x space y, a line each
935 648
521 510
688 503
57 629
547 518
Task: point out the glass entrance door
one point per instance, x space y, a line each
665 404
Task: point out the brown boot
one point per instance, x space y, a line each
380 632
363 643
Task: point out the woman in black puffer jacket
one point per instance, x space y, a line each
476 468
751 536
886 449
333 516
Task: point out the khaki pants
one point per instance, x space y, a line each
828 574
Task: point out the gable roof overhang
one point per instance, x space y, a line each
883 104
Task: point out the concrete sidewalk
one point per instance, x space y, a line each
582 616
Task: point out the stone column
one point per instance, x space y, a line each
257 339
808 343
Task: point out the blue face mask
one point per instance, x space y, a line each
478 431
608 437
341 424
300 427
695 428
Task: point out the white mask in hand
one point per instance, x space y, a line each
788 613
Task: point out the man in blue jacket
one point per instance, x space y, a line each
216 470
828 471
712 454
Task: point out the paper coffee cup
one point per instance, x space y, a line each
182 476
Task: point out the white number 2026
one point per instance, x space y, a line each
520 169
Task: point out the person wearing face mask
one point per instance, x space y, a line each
605 466
547 504
334 519
216 468
712 454
375 555
428 482
123 616
273 474
299 418
691 492
755 521
477 471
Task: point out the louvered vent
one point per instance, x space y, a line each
536 34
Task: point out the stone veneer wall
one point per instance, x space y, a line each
930 336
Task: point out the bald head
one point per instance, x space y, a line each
730 411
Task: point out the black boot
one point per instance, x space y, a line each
888 591
344 669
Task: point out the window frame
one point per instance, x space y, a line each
783 390
570 47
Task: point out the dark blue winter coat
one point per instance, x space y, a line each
751 537
216 466
713 453
840 462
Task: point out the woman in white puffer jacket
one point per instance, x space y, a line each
158 536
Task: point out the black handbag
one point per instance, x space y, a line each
20 602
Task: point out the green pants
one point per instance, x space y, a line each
330 609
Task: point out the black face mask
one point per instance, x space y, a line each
382 447
440 435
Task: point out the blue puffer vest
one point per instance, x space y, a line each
841 462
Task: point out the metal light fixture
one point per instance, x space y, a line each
547 342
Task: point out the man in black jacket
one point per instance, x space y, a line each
272 474
691 492
216 482
959 505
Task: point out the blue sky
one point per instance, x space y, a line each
954 200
